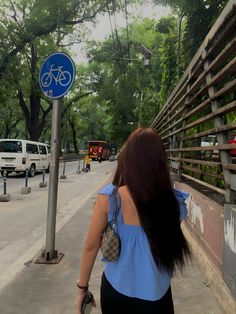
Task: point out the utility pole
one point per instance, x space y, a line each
140 110
146 60
179 43
146 53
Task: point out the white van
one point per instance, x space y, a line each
18 155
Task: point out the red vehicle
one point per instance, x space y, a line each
99 149
232 140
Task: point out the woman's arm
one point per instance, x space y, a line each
92 243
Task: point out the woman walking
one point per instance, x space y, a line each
148 224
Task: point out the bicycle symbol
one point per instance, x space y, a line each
60 77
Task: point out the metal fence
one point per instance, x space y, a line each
199 118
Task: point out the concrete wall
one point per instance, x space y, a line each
206 222
211 231
229 256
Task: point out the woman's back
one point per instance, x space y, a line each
129 210
135 273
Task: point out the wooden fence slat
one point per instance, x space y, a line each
199 171
229 87
229 166
169 115
196 161
212 187
226 70
172 125
223 110
223 55
223 128
197 109
169 101
216 46
204 148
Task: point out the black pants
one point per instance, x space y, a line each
113 302
87 167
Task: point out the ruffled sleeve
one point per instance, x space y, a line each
182 197
107 190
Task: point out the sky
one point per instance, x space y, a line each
102 29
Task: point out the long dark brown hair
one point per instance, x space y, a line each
142 167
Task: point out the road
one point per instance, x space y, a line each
16 181
23 219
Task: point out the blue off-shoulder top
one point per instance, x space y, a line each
135 273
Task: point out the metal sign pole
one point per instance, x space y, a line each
56 77
50 252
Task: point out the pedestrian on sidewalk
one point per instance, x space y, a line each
148 224
87 163
99 157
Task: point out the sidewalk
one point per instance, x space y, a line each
51 289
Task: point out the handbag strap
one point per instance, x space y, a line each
115 209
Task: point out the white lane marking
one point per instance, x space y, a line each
18 266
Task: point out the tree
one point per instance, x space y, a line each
200 16
168 57
133 93
11 117
28 36
28 20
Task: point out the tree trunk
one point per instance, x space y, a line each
35 122
74 135
7 131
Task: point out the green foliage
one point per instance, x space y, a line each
30 30
133 92
200 15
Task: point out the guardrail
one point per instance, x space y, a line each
70 157
202 108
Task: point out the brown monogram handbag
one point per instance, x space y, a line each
110 244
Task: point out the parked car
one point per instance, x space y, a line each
209 140
18 155
232 140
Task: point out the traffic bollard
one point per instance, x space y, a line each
63 176
4 185
78 170
26 189
43 184
5 197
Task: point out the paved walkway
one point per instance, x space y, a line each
51 289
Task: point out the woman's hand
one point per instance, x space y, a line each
80 299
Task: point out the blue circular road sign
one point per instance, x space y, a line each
57 74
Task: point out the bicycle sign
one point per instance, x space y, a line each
57 75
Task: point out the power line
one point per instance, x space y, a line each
114 39
117 38
127 27
124 9
112 35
